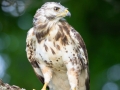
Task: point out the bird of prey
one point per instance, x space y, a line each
56 50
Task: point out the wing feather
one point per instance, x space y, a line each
80 45
82 51
30 50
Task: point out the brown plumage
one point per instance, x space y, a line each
56 50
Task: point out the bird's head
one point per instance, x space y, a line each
51 11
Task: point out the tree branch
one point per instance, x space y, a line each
5 86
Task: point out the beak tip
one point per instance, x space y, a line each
69 14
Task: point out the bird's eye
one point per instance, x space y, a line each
56 8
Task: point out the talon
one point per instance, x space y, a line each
74 89
44 87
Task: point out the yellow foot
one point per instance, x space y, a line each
44 87
74 89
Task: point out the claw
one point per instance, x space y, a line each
74 89
44 87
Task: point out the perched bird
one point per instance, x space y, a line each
56 50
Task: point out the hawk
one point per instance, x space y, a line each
56 50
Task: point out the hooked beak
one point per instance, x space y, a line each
64 13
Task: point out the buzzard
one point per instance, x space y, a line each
56 50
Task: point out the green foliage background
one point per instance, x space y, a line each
98 21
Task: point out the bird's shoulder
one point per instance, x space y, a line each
78 40
74 36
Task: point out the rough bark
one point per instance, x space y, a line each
5 86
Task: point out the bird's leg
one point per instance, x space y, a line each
73 79
72 76
44 87
47 73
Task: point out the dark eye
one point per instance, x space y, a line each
56 8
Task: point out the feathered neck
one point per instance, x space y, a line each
58 31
